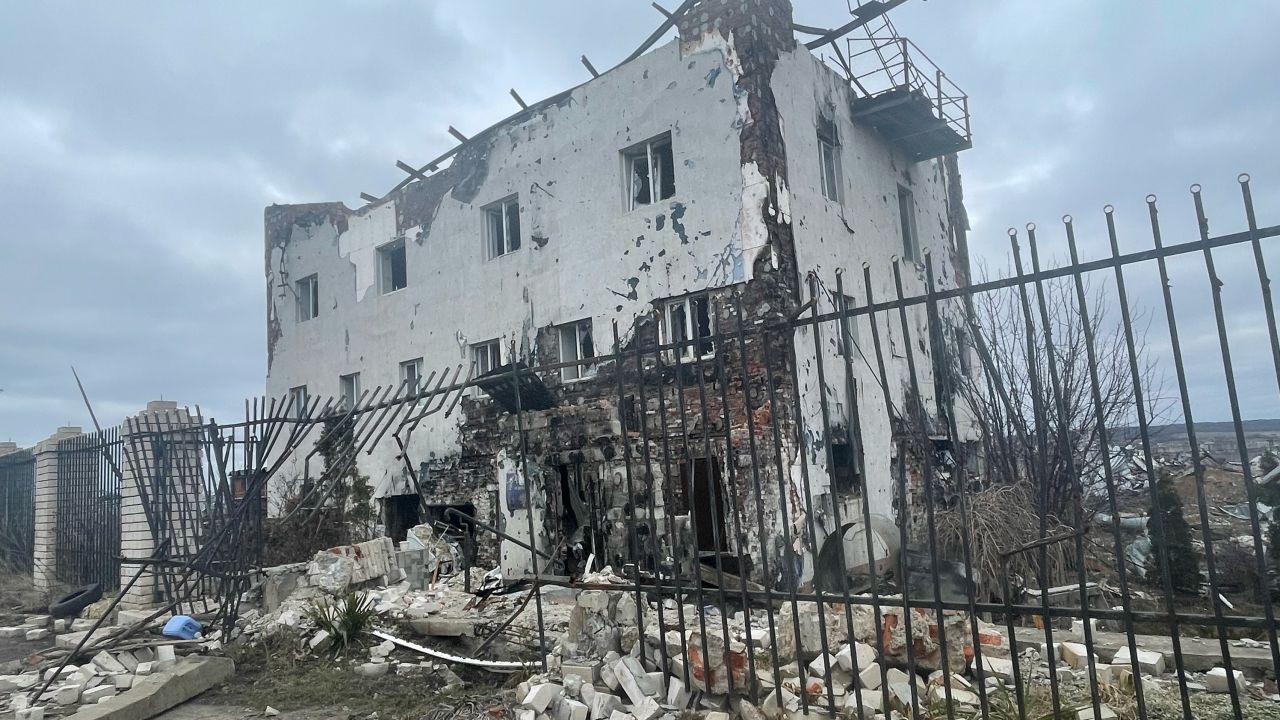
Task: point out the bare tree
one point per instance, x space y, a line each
1032 396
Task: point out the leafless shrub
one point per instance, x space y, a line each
1000 519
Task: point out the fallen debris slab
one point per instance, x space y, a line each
153 694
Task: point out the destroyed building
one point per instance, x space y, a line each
733 169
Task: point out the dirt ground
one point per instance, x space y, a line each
200 709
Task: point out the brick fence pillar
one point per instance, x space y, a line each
44 550
148 438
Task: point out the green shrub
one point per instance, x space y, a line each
344 618
1171 536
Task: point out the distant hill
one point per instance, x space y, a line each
1174 431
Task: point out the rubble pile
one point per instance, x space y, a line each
104 675
441 609
608 667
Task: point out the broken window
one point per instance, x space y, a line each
298 399
650 172
307 291
411 374
847 343
829 158
576 344
392 270
907 220
349 389
485 357
845 474
688 320
502 227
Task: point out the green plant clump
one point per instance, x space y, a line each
345 618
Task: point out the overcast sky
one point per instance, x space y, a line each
139 143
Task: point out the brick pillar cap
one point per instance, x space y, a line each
70 430
156 405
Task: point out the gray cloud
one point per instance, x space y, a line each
139 143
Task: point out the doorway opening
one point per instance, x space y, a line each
708 503
401 512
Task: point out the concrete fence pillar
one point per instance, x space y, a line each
8 447
160 467
44 547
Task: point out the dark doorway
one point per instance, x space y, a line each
707 507
402 513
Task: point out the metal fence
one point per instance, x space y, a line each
87 539
17 511
961 477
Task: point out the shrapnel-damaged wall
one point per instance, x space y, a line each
748 224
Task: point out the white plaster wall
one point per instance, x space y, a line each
836 239
600 260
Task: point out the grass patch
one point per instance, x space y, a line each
273 671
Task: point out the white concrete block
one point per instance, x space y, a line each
144 668
1216 680
1149 662
603 705
107 662
542 695
93 695
869 678
1075 655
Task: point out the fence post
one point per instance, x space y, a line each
147 499
44 545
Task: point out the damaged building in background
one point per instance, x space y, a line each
734 177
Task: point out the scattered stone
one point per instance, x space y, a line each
869 676
603 705
373 669
270 711
12 632
1074 655
144 668
320 640
128 660
589 672
542 695
106 662
68 694
122 682
1149 662
571 709
37 621
94 694
165 658
677 695
35 713
1215 680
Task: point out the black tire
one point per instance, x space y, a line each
71 604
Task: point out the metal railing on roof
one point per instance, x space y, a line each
882 64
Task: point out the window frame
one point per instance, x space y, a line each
689 353
386 270
907 224
500 209
829 146
349 400
493 349
416 364
644 150
307 294
583 370
295 393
